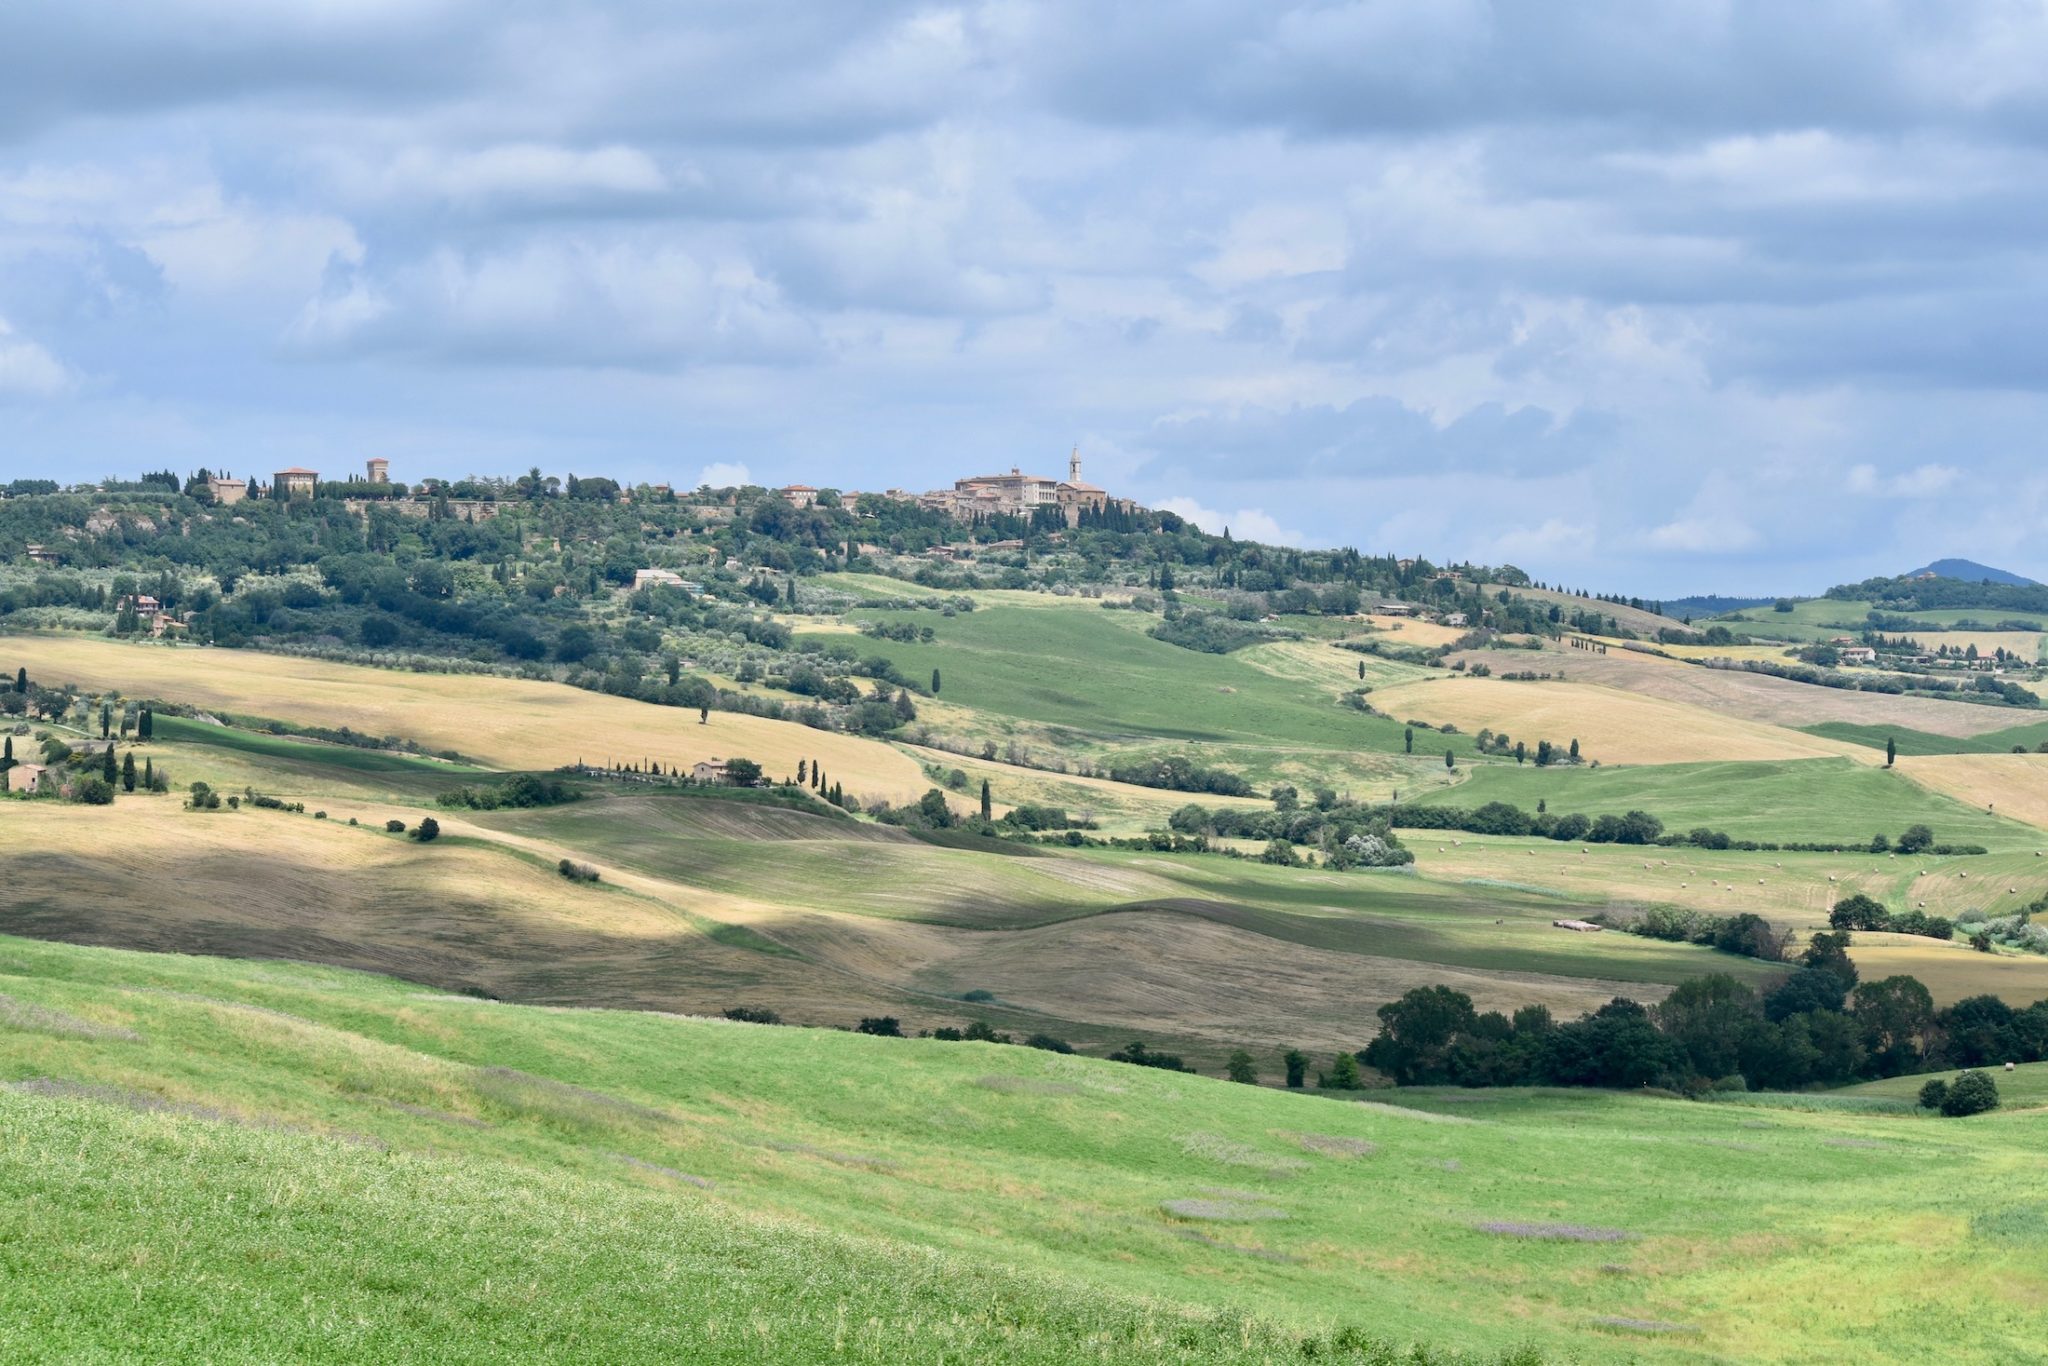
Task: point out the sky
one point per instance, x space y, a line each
1658 298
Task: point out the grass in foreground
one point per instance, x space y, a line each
244 1161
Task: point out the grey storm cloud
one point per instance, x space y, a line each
1632 281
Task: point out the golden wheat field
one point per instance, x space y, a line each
1611 726
506 722
2013 785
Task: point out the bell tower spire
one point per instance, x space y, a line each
1074 466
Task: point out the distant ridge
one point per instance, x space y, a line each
1971 572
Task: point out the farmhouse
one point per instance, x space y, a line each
143 603
39 554
800 495
25 777
1395 609
226 492
1454 618
708 771
658 578
1859 654
294 483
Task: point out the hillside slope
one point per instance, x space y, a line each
245 1162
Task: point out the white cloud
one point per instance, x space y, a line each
1922 481
26 368
721 475
1247 524
1555 539
1709 535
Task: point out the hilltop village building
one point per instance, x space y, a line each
294 483
1015 494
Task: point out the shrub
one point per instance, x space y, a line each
395 826
1240 1068
428 830
886 1026
1297 1068
576 872
1048 1043
1971 1093
93 791
1933 1094
752 1015
1138 1055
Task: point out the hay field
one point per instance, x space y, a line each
508 723
1953 971
235 1138
1761 698
2013 785
1612 726
1425 635
1319 662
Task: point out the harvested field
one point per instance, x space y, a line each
1760 697
2013 785
510 723
1612 726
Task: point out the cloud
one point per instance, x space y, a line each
26 368
1247 524
1485 277
720 475
1377 435
1921 481
557 304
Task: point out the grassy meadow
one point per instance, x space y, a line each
244 1161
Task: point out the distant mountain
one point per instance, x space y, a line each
1710 605
1971 572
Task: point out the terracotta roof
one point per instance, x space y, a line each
296 470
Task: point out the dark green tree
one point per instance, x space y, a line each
1575 749
1408 740
108 770
1343 1074
1450 760
1296 1063
145 725
1240 1068
1971 1093
128 771
1891 751
987 806
1830 953
21 679
935 682
1917 839
427 831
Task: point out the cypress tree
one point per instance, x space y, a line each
107 769
1891 751
1408 741
986 807
935 682
106 720
1450 760
803 770
1575 747
149 774
128 772
145 725
21 679
7 755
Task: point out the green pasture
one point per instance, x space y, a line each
2029 736
244 1162
2025 1086
1783 800
1079 666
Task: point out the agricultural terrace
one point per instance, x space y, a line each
228 1138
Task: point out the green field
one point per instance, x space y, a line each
1820 618
2025 1086
2029 736
1097 672
244 1161
299 754
1787 801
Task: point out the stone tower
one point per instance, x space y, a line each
1074 466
